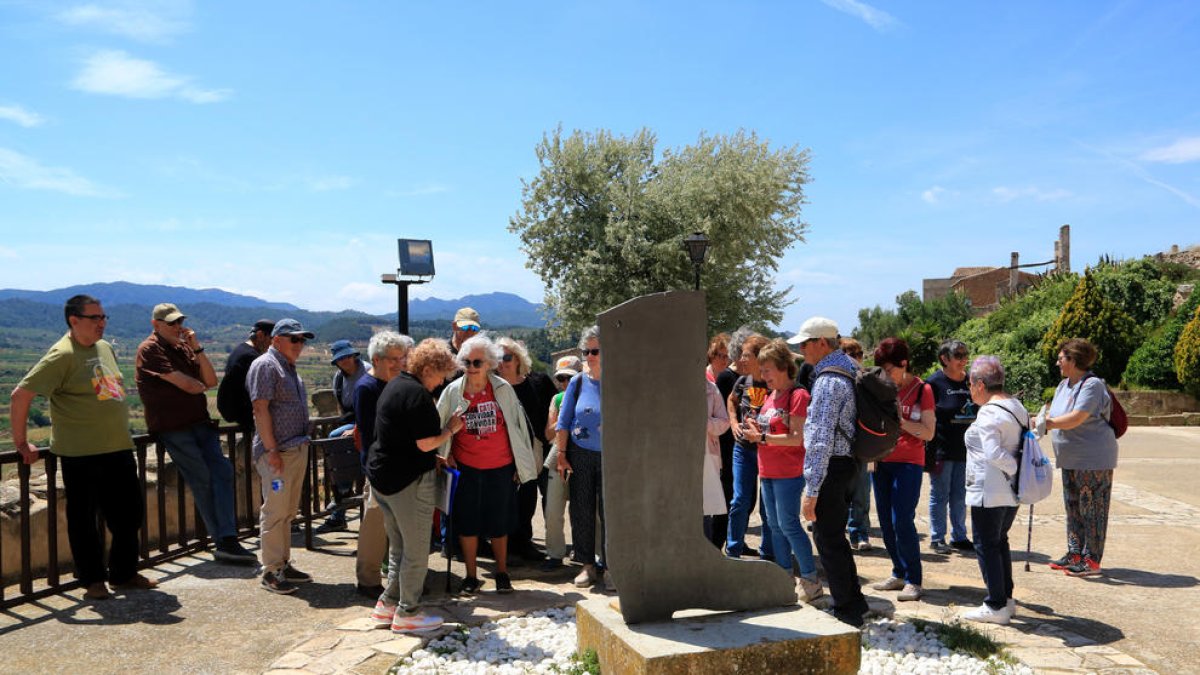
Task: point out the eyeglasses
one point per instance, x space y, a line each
592 352
297 340
507 358
93 317
469 329
475 363
562 378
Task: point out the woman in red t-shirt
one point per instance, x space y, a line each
898 476
779 431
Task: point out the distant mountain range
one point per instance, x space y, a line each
222 312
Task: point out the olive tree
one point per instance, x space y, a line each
604 219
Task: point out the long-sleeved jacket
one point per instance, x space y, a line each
519 432
830 426
992 441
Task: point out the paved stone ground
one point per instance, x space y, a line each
1141 616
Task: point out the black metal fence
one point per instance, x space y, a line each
33 581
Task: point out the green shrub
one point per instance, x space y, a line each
1138 288
1089 315
1153 363
1187 356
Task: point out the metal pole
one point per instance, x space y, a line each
697 268
402 310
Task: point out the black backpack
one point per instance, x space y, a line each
876 413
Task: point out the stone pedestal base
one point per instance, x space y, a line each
794 639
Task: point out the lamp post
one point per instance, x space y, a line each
416 259
697 246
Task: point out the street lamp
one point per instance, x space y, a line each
416 260
697 245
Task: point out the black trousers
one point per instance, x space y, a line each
587 499
829 534
103 485
990 526
526 502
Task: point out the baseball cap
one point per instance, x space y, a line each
567 365
290 327
815 327
466 317
341 349
262 326
165 311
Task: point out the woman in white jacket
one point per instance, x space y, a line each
992 442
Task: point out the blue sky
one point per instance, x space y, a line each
279 149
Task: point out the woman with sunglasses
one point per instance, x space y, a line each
1085 450
946 454
534 391
577 439
493 454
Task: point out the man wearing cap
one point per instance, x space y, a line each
349 370
172 374
830 468
90 424
280 449
233 401
465 325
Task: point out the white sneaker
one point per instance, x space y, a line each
1012 608
586 577
985 614
415 623
891 584
910 592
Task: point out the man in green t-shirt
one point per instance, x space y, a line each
89 423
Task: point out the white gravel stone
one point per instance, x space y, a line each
544 642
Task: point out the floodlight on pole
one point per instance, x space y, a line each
696 245
416 260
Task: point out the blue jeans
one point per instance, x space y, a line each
948 488
781 501
196 452
859 527
897 490
745 492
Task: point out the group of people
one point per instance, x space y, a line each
789 447
779 433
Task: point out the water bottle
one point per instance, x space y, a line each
276 485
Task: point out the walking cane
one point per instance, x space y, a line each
1029 539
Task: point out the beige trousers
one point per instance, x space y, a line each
372 541
280 505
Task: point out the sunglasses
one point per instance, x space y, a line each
176 322
961 357
93 317
562 378
592 352
469 329
507 358
475 363
296 340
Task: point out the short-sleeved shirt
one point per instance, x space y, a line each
781 461
88 413
273 378
482 443
749 395
1091 446
168 408
405 413
912 400
955 411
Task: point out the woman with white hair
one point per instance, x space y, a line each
534 391
992 442
492 453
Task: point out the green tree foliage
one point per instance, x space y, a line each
604 219
1187 355
1140 288
1153 363
1091 316
923 325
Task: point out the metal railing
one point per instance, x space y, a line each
33 582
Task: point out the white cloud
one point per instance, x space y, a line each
27 173
420 190
1180 152
329 183
143 21
15 113
933 194
875 18
116 73
359 294
1008 194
